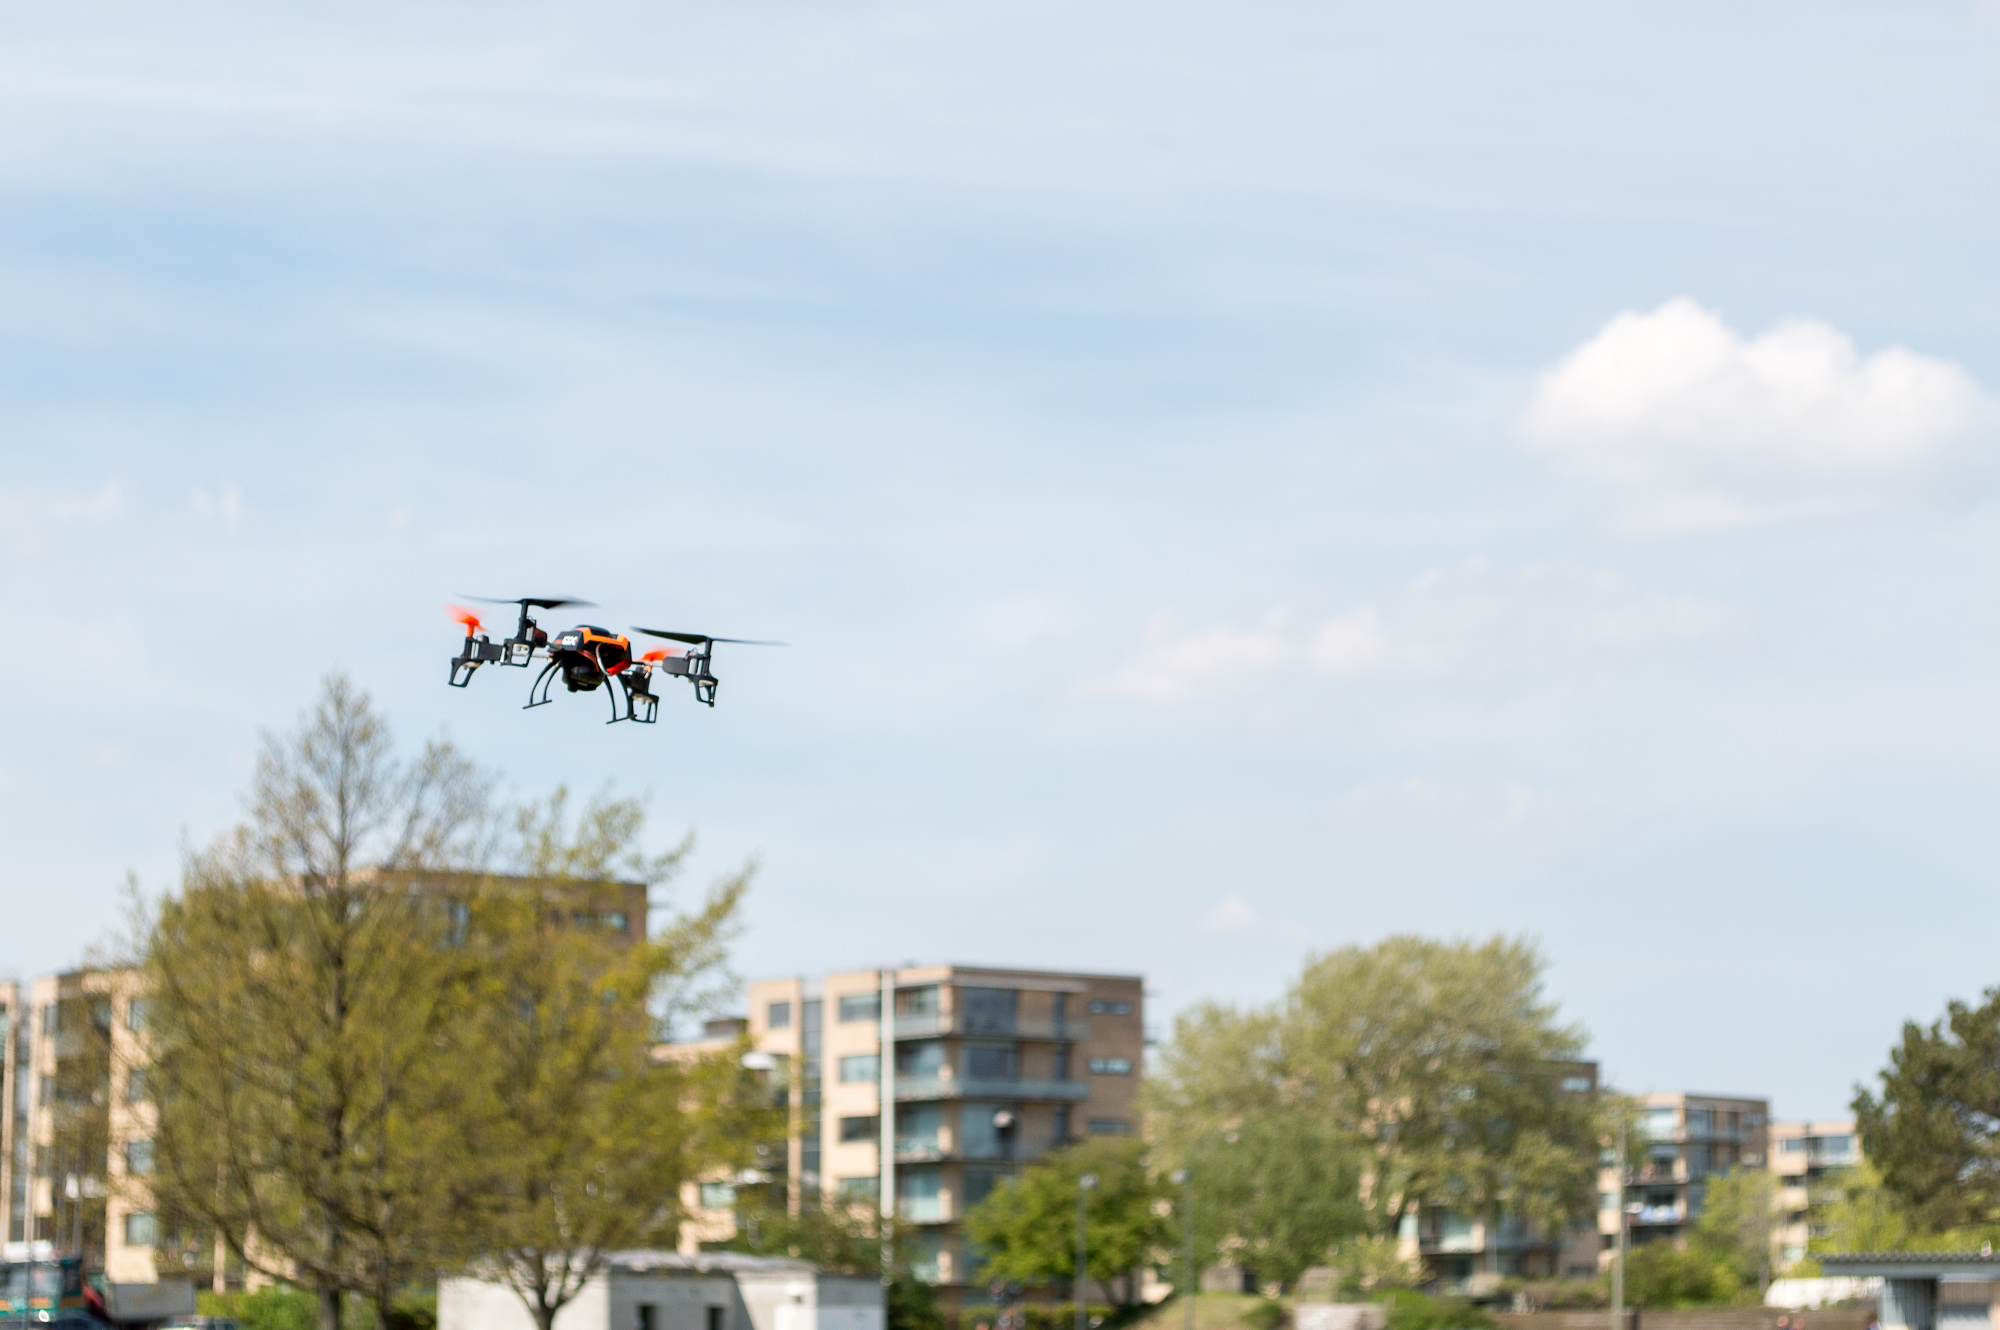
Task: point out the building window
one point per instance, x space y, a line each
859 1189
649 1316
1111 1066
1062 1123
861 1068
1110 1127
1792 1145
988 1010
980 1182
1576 1085
920 1129
139 1229
717 1318
860 1007
778 1016
980 1135
924 1058
135 1014
920 1195
136 1090
139 1158
1059 1063
992 1062
1106 1007
860 1129
615 920
921 1001
718 1196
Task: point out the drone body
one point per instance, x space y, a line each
587 658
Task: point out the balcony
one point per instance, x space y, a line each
932 1152
918 1088
1660 1214
938 1025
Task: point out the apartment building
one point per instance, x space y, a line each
1807 1159
1470 1254
988 1068
1686 1138
77 1138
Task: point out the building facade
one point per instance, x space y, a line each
1685 1139
1807 1160
987 1069
77 1140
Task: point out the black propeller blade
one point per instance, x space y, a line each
551 603
696 639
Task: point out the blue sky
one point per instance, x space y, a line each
1238 480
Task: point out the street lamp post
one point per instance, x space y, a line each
1187 1247
1083 1186
1618 1252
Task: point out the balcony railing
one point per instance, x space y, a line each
965 1087
937 1025
932 1152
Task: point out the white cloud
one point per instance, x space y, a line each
1701 426
1424 806
1232 914
30 520
1461 618
226 504
1173 666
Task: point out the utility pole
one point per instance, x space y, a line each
1083 1186
886 1120
1618 1254
1182 1177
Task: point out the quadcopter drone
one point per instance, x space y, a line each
588 658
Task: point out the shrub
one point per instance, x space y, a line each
1417 1311
1267 1314
274 1307
1663 1276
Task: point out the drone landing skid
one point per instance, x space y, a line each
640 703
476 652
538 691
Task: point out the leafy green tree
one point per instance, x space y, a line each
299 984
1863 1215
1274 1194
1658 1274
1027 1226
1442 1062
1934 1133
1735 1225
581 1138
1445 1058
846 1239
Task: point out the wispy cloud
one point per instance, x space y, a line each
1455 619
30 520
1700 426
1231 914
1506 810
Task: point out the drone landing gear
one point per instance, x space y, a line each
640 703
477 651
538 691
